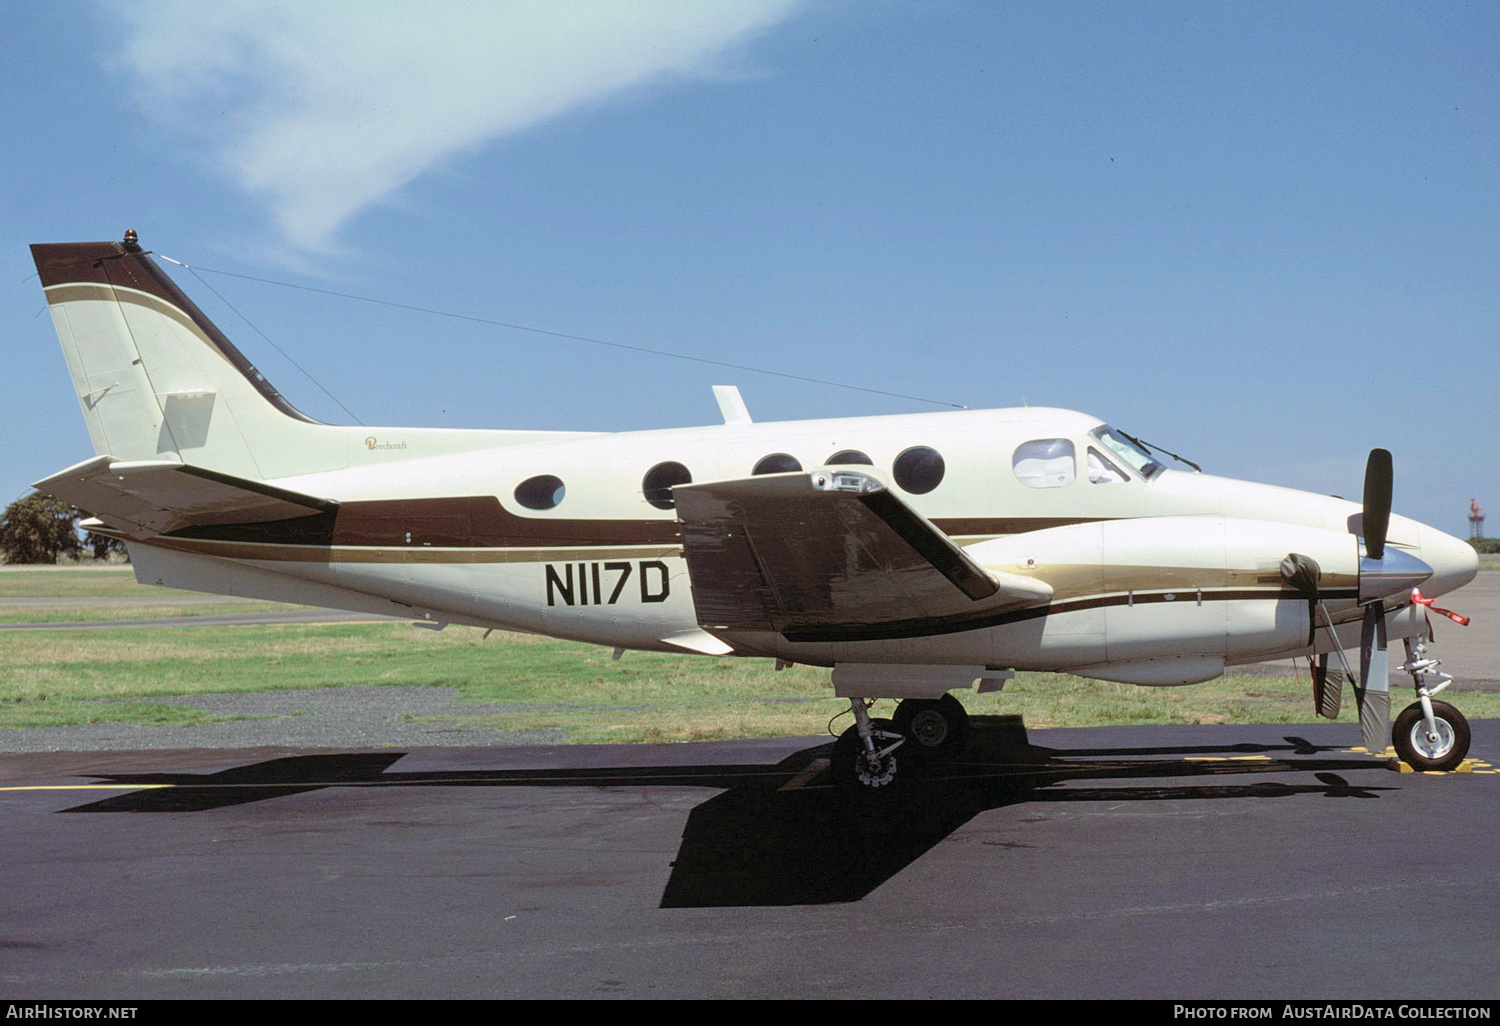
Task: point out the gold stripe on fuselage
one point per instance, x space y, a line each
274 553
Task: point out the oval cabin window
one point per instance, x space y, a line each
1044 463
919 469
777 463
658 482
849 457
541 492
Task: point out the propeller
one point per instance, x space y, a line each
1382 574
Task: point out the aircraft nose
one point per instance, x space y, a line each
1454 562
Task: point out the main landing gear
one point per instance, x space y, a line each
1429 735
935 729
864 756
874 754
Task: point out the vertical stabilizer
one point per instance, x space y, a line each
154 377
159 383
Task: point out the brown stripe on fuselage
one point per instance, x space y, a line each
480 521
474 521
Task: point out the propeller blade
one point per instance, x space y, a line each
1377 512
1382 574
1373 693
1327 689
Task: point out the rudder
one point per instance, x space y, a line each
153 375
159 383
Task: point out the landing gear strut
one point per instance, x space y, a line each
864 756
926 730
1429 735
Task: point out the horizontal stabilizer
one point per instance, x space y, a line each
142 499
828 550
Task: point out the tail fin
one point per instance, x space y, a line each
158 383
154 376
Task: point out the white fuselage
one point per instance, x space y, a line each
1158 577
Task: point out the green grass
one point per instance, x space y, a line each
50 582
42 613
540 678
145 714
119 597
58 677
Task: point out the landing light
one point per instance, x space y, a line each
847 481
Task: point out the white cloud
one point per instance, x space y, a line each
322 109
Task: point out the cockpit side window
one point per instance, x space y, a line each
1102 471
1045 463
1123 449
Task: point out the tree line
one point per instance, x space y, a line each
39 528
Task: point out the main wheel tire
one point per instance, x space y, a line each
851 767
1417 750
934 728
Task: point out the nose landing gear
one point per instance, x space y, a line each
1429 735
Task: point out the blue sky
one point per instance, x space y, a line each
1263 235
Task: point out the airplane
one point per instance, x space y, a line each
915 555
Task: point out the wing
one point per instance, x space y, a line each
141 499
826 554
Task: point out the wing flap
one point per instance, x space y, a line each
144 498
828 549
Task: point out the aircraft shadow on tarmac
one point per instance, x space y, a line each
782 834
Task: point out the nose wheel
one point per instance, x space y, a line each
1436 744
1429 735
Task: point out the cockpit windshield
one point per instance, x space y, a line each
1126 449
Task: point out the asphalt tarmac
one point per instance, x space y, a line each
1136 862
1157 862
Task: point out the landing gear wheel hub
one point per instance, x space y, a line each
1423 751
875 772
1432 747
929 728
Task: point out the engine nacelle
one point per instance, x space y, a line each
1170 600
